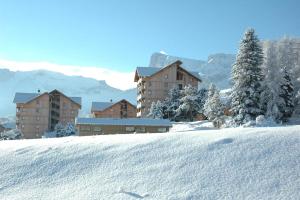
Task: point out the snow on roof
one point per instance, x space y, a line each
25 97
76 99
100 106
147 71
127 121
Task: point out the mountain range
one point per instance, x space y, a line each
215 70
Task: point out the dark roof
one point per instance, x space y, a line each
27 97
100 106
124 121
149 71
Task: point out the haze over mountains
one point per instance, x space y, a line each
216 69
87 88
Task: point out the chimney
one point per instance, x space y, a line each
39 91
110 100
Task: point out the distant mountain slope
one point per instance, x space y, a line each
87 88
215 70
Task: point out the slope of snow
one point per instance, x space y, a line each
250 163
87 88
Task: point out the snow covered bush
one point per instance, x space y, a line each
61 131
14 134
247 76
262 121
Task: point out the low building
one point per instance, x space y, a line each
154 84
37 113
120 109
101 126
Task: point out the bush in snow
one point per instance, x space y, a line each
247 76
14 134
61 131
262 121
172 103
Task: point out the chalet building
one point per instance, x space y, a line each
40 112
120 109
101 126
154 84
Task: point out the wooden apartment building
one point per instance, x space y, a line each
154 84
120 109
40 112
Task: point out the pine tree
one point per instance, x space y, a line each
287 94
156 110
188 103
172 103
213 107
270 99
247 76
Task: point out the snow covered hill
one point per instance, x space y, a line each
249 163
217 68
89 89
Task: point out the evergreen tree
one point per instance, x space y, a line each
247 76
270 99
172 103
188 103
287 94
156 110
213 107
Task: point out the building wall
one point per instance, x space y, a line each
157 87
87 130
33 118
68 110
114 111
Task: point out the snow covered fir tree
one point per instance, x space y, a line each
247 76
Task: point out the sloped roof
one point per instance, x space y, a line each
25 97
100 106
76 100
124 121
149 71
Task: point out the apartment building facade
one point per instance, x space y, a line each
37 113
154 84
120 109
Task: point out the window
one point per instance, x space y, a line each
37 127
180 86
149 92
140 129
37 110
162 130
85 128
37 118
149 84
97 129
179 76
166 85
38 102
129 129
166 76
23 118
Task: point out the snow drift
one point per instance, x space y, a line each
250 163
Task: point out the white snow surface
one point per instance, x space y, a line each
198 163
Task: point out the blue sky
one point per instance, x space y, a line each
119 35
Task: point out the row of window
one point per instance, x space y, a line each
127 129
